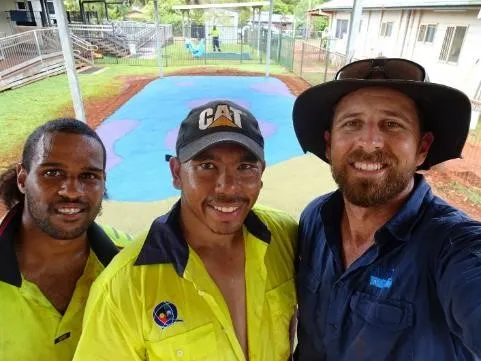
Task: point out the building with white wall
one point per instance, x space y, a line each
17 15
442 35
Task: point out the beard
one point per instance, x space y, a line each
365 192
42 218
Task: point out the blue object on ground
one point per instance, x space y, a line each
228 56
196 50
139 134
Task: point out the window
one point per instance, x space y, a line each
341 28
50 8
453 40
426 33
386 29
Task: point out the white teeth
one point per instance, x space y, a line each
226 209
368 166
69 210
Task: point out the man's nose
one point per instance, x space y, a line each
71 187
227 182
371 138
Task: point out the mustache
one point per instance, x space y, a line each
378 156
81 201
222 198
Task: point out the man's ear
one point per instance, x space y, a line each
327 142
174 165
21 177
424 147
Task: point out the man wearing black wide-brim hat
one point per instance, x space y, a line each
386 270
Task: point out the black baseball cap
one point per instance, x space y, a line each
216 122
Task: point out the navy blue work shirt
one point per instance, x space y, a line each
415 294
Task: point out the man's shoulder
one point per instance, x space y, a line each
268 213
313 207
122 265
120 238
279 223
447 219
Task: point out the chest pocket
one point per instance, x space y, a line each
282 302
392 315
380 329
198 344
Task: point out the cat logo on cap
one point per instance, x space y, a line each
165 314
222 115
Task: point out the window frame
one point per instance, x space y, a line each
423 33
343 30
385 26
446 49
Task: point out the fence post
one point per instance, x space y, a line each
38 46
326 60
242 46
302 57
205 51
293 52
279 45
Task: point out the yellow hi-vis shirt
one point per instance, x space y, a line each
156 300
214 33
31 329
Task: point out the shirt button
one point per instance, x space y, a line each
201 293
332 326
180 353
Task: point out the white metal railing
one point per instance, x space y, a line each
91 31
83 50
123 32
33 46
28 47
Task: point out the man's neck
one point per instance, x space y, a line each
32 243
359 224
54 265
198 235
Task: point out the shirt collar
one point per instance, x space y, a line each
407 217
165 244
400 225
100 243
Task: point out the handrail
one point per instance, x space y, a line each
82 43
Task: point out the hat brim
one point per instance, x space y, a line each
201 144
446 113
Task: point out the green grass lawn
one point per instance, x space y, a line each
25 108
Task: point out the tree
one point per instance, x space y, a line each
300 12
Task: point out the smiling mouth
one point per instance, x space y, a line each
230 209
69 211
369 166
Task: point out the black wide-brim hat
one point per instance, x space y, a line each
445 111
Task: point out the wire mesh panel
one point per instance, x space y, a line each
200 45
125 42
28 47
314 62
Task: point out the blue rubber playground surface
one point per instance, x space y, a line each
140 133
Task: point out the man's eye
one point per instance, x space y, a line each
247 166
206 165
392 124
52 173
352 123
90 176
